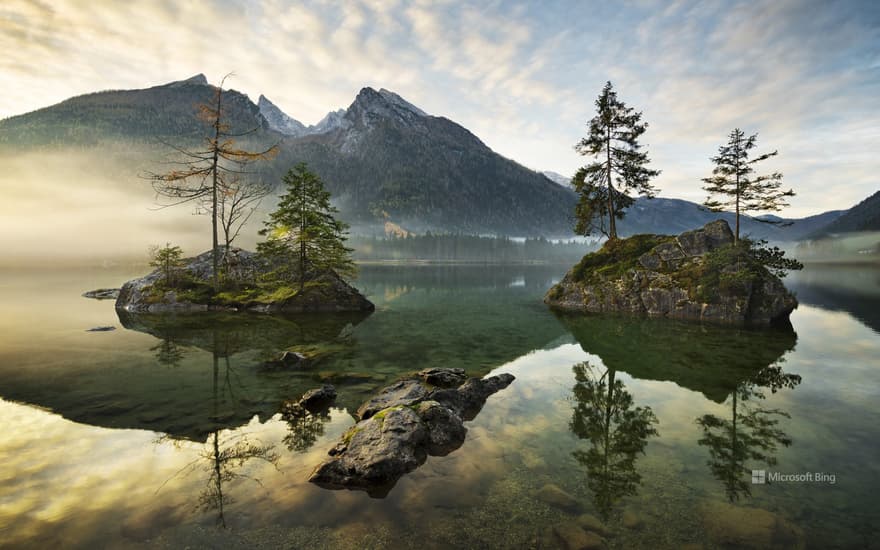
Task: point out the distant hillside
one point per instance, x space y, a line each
673 216
864 216
167 111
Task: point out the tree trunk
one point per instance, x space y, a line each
612 224
215 260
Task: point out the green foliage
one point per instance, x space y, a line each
616 257
613 142
735 269
734 180
169 260
303 236
773 258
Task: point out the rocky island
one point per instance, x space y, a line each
190 289
698 275
403 424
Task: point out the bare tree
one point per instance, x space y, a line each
205 175
237 201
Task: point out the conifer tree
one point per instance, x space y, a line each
619 166
303 236
733 178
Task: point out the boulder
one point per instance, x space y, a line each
405 392
697 275
444 378
398 429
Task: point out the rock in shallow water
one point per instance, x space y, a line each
444 378
555 496
744 527
102 294
573 537
399 428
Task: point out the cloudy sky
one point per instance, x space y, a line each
522 76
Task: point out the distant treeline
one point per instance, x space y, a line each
468 248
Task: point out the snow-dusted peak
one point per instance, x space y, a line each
391 97
278 120
331 121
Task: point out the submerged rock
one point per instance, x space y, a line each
729 525
399 429
325 290
572 537
102 294
555 496
697 275
101 329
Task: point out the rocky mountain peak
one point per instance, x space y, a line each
278 120
370 104
197 80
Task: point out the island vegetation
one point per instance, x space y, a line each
708 274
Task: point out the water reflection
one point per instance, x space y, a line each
854 289
713 360
723 363
605 415
751 436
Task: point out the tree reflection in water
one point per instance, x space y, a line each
604 414
751 436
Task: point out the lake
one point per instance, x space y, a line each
166 432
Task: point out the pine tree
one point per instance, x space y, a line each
733 178
613 141
304 237
168 260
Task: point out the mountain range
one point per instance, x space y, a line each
382 158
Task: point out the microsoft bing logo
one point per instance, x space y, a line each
759 477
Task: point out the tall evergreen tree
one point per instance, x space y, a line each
733 178
304 237
613 141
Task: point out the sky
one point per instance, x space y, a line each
522 76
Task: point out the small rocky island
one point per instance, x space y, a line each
190 289
698 275
403 424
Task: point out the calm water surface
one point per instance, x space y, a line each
166 432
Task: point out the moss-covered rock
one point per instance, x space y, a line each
324 291
698 275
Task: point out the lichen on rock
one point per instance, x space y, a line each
699 275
